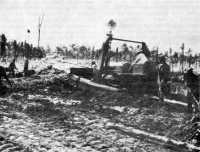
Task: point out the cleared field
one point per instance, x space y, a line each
45 114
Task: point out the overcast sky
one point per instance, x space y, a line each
163 23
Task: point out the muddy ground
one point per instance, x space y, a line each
52 116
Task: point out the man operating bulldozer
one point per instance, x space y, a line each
142 54
141 57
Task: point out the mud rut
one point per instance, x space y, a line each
53 116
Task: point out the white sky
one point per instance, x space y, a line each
163 23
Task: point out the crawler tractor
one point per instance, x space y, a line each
136 79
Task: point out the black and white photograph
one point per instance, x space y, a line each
99 75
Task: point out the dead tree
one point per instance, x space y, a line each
182 58
39 28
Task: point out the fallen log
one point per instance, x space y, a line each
85 83
171 101
161 140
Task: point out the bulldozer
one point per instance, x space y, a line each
136 78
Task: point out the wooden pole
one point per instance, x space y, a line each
182 62
160 95
170 56
39 28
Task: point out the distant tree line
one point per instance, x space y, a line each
186 59
19 49
123 53
78 52
128 53
83 52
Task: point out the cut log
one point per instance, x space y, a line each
162 140
84 83
171 101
